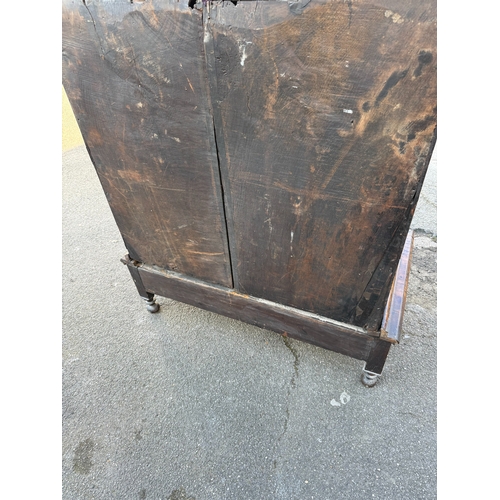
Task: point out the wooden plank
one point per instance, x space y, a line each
325 114
301 325
135 75
394 311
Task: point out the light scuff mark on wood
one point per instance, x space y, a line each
396 18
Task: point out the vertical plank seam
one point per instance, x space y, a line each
224 211
219 141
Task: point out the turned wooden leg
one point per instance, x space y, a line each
369 379
375 363
151 305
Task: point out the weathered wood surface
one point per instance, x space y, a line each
304 326
136 78
325 114
317 116
393 315
377 357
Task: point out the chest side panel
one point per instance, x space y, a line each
135 75
326 112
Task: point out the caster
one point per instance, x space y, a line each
369 379
151 305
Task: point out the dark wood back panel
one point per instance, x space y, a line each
325 114
135 74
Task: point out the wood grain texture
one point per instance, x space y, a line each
377 357
307 327
325 114
393 315
136 78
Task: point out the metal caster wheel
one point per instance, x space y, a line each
369 379
151 305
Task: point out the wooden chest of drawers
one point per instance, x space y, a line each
262 159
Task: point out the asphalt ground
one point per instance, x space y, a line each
187 404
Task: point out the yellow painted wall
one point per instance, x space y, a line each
71 136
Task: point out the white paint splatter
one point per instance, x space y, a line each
344 399
243 55
268 212
243 52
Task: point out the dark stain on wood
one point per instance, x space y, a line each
389 84
326 140
424 57
135 76
275 148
